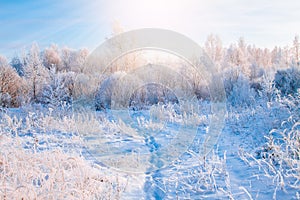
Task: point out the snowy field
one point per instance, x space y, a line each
62 154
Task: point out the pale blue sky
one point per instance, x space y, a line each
81 23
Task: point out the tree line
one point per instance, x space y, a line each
54 75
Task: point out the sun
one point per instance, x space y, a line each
150 13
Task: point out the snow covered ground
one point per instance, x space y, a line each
87 154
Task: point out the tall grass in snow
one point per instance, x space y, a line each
279 158
37 163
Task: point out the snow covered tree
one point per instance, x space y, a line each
104 93
213 47
78 59
117 28
66 59
35 73
242 58
238 90
59 90
266 58
11 85
286 58
72 60
18 65
296 49
51 58
3 61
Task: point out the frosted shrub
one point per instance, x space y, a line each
151 94
104 93
238 91
287 81
5 100
59 90
116 87
269 91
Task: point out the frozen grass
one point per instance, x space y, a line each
42 154
187 113
202 179
36 163
279 157
51 175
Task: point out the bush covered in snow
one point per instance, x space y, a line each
288 81
59 91
104 93
238 90
151 94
